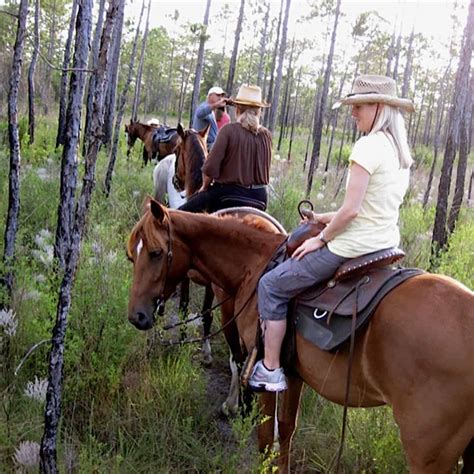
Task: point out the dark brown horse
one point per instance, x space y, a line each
417 354
152 148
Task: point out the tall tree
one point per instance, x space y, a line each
121 108
112 75
14 141
464 146
94 57
61 134
322 105
52 413
407 72
31 76
200 62
263 47
440 230
73 124
281 58
233 60
138 83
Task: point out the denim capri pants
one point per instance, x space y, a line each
292 277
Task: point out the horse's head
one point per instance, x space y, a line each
160 262
190 155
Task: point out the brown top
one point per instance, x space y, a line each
238 156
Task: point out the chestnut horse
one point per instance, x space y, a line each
151 148
416 355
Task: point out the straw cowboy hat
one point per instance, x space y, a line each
249 95
369 89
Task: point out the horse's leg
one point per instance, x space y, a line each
289 403
145 156
207 323
266 429
434 433
468 458
184 302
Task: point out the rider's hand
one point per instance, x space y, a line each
309 245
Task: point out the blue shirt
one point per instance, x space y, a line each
202 118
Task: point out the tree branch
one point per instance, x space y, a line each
14 15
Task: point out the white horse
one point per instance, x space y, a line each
163 183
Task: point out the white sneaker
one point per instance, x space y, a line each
263 379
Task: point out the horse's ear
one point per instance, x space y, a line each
180 130
204 131
157 210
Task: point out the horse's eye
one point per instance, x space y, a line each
156 253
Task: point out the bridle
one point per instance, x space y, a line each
169 261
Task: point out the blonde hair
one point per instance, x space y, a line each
390 121
249 117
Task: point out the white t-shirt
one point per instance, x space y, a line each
376 225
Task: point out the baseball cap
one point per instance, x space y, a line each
216 90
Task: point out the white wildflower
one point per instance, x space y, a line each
8 322
111 256
97 248
37 389
135 194
333 205
40 278
320 196
27 454
277 157
33 295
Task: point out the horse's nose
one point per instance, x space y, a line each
142 321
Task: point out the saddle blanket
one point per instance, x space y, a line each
323 315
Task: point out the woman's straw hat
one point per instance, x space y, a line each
249 95
369 89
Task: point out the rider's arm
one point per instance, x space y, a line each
203 111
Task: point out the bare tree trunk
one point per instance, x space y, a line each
121 108
266 118
293 118
233 59
286 97
281 58
437 133
199 63
168 85
11 227
469 194
440 231
48 462
462 162
94 57
138 83
31 77
417 126
397 55
263 48
322 107
112 76
407 72
311 128
390 55
73 125
428 121
61 135
45 84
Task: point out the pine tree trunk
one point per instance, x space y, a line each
121 108
266 118
281 58
94 57
293 118
407 72
417 126
322 106
11 226
168 85
31 76
462 162
286 97
61 134
112 76
199 63
138 83
397 55
233 60
263 48
73 125
48 461
440 231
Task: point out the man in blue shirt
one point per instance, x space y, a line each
204 115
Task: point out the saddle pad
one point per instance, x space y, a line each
163 134
311 321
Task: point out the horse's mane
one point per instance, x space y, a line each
196 159
253 221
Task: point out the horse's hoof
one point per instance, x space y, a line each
229 411
206 360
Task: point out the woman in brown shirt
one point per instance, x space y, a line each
237 170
